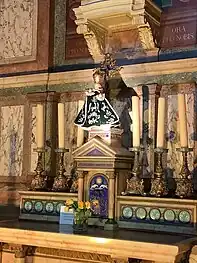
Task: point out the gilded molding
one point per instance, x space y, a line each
73 254
19 250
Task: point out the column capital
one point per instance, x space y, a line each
111 175
43 97
81 174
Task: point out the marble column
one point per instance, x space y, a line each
111 223
80 185
111 195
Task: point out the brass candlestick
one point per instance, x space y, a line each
159 187
135 183
39 182
61 182
184 187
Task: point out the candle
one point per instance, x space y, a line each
182 120
161 123
136 121
80 131
40 125
61 126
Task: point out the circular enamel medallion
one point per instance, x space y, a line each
169 215
141 213
49 207
28 206
127 212
38 206
155 214
58 207
184 217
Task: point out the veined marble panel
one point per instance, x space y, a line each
33 140
18 30
70 134
174 159
11 140
71 109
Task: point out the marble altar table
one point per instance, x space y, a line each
25 242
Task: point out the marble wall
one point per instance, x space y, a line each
70 134
18 31
174 157
11 140
24 35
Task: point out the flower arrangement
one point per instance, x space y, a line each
82 210
78 205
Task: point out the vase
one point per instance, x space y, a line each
80 222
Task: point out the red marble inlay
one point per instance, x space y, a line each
76 46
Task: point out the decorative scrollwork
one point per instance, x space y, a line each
146 37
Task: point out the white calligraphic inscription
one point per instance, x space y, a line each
18 30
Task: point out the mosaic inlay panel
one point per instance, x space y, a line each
11 140
156 215
42 207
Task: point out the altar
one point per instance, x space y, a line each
24 242
98 123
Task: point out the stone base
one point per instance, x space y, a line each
44 206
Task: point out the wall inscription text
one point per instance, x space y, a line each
179 35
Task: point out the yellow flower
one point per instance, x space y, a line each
69 202
87 204
80 205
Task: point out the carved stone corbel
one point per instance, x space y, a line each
95 39
146 37
104 23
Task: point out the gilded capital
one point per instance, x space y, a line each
80 174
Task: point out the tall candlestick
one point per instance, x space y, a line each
80 131
136 121
182 120
40 125
61 126
161 123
